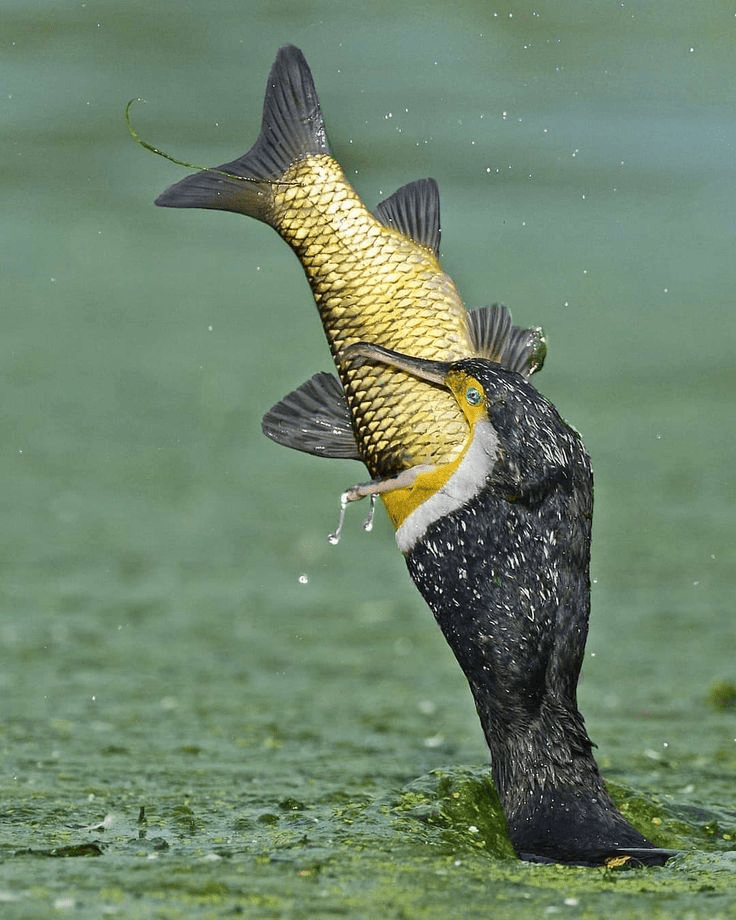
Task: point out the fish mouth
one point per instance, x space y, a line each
432 371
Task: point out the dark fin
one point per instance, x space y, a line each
292 128
315 419
414 210
495 338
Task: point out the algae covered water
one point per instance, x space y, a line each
207 710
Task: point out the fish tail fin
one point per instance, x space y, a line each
292 128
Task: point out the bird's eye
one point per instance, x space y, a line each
472 394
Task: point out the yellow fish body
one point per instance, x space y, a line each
373 283
375 278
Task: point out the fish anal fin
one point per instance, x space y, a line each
414 210
315 419
495 337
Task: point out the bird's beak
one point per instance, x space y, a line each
432 371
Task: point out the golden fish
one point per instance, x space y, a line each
375 278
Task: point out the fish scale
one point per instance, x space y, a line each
371 283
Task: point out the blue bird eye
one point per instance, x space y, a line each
472 394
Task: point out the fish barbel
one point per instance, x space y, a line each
375 278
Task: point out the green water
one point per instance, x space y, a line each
176 633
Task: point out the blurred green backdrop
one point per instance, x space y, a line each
176 633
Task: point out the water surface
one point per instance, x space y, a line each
177 636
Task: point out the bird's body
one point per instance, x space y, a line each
490 490
506 574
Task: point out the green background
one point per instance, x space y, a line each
176 633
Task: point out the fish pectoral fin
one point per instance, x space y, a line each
494 337
403 480
314 418
414 210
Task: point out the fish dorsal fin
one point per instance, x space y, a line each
495 338
292 128
414 210
314 418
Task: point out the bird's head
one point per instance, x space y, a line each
534 449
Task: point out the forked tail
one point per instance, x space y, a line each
292 128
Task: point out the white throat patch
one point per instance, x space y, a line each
465 483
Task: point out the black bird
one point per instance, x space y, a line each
501 554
